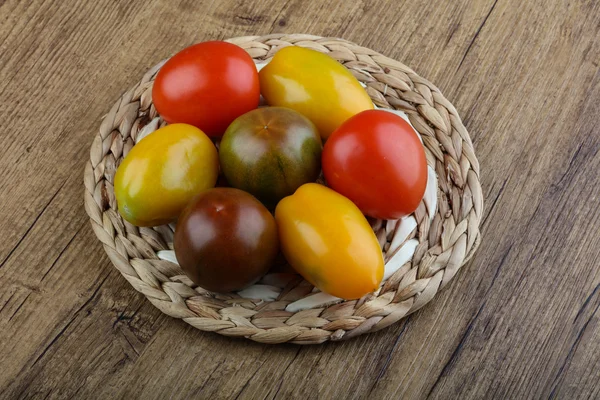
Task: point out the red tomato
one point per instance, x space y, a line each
207 85
377 160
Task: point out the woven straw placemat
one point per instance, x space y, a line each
442 238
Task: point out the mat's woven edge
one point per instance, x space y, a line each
445 243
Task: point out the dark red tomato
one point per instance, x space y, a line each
377 160
225 240
207 85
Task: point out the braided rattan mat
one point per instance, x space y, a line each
445 237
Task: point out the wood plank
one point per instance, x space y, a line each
519 321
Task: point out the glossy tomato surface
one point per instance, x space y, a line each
377 160
163 172
225 240
326 238
207 85
315 85
270 152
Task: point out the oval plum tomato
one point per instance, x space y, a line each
328 241
315 85
207 85
163 172
377 160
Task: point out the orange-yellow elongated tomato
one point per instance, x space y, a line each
315 85
163 172
326 238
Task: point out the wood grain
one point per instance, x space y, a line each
520 321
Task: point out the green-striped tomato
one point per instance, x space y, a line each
270 152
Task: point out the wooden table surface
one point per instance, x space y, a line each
519 321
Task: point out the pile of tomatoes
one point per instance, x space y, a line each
264 161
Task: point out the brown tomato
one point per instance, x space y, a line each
225 240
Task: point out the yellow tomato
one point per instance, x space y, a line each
163 172
315 85
326 238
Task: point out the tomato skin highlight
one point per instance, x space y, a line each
328 241
163 172
377 160
315 85
225 240
270 152
207 85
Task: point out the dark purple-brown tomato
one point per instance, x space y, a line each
225 240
